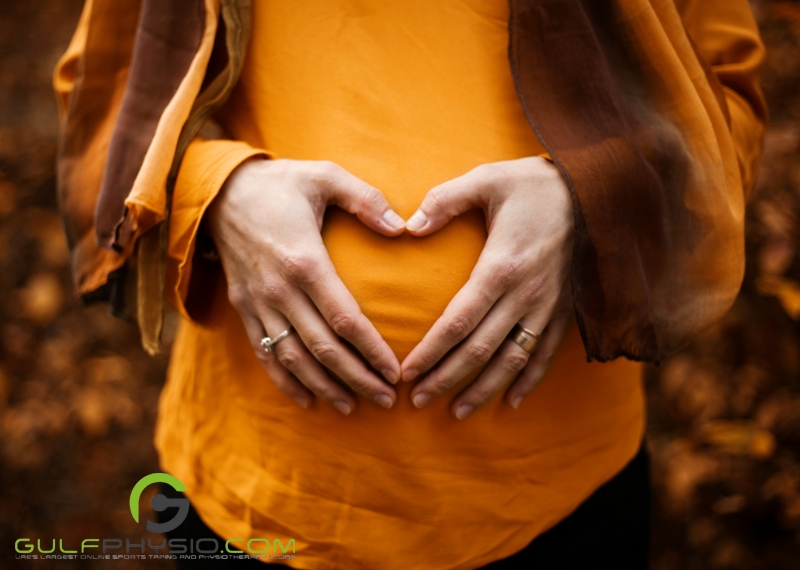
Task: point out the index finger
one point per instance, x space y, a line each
460 318
340 309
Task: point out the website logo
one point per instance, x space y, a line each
160 502
142 548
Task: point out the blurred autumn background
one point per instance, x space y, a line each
78 395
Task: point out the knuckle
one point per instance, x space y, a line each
485 296
324 394
274 288
328 392
262 356
344 324
507 272
370 199
289 358
480 396
371 351
484 174
478 353
482 171
299 266
358 384
237 296
458 328
327 171
516 361
324 352
443 384
438 199
531 383
531 290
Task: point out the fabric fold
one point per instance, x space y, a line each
167 41
204 170
133 90
640 132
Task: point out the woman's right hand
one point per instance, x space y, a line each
266 225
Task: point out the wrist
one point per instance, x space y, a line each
226 200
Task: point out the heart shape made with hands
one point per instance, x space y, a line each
516 275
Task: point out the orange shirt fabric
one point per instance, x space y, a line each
405 96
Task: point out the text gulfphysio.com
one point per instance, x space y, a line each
169 549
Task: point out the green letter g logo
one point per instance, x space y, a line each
160 502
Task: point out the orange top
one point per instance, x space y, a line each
405 96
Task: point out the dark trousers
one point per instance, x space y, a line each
609 530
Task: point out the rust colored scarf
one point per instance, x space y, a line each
614 90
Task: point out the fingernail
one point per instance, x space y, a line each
421 399
302 401
343 407
410 374
384 400
516 402
390 376
393 220
463 411
417 221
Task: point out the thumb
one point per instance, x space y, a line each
442 203
367 202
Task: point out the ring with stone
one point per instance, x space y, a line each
269 343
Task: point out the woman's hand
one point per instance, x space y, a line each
521 277
266 225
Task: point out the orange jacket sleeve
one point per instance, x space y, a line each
205 167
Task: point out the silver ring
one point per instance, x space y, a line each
525 338
269 343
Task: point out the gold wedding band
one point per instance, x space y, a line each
525 338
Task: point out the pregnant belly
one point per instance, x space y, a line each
403 284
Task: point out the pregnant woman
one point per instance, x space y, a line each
376 260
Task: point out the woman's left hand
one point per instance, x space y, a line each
520 277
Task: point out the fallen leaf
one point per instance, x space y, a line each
41 298
738 437
785 290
